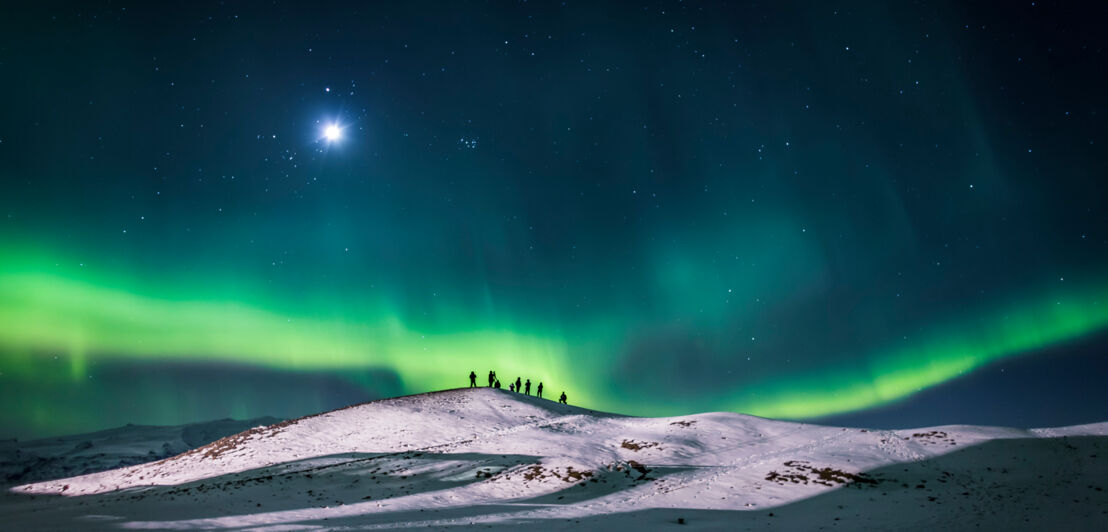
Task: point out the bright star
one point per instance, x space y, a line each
332 132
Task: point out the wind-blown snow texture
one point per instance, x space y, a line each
490 457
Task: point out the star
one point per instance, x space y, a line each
332 132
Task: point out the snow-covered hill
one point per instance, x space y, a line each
493 458
64 456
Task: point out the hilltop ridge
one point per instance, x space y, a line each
492 457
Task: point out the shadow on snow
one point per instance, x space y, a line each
1032 483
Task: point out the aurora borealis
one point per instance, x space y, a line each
789 210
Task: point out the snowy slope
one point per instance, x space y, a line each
50 458
493 458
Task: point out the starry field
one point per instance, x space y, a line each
877 214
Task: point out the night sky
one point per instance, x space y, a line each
889 215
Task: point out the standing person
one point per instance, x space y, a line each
472 380
527 387
540 390
492 378
518 387
562 399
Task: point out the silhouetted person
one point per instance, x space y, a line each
527 387
518 386
540 390
496 385
511 387
492 378
562 399
472 380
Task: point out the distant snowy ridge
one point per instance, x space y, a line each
63 456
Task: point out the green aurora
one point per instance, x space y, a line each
83 317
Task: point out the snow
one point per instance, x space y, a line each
483 457
51 458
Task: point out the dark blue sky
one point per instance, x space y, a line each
788 209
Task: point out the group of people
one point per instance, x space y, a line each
517 386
